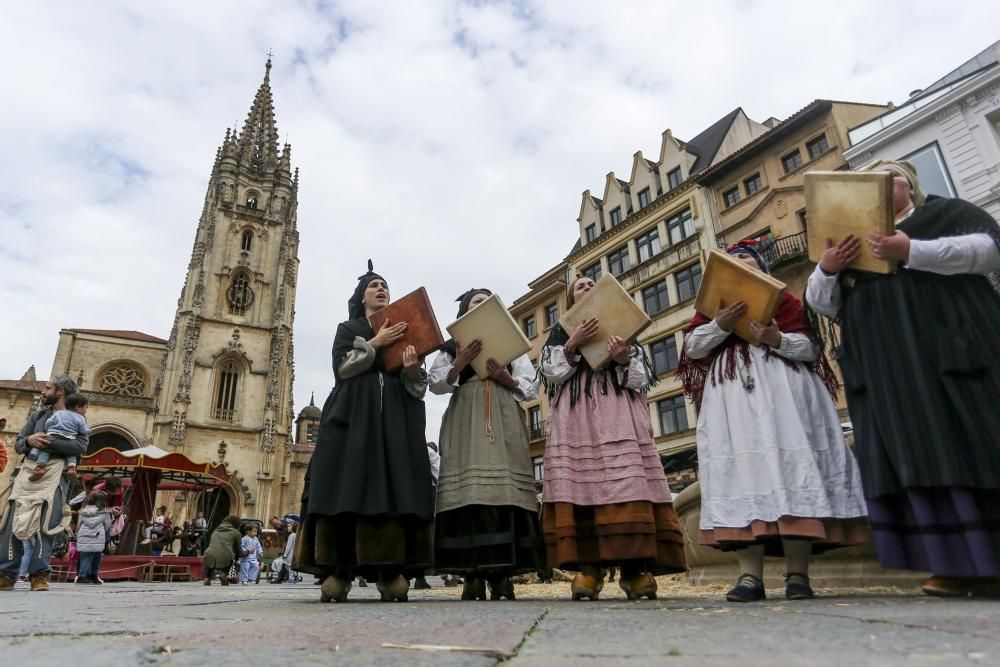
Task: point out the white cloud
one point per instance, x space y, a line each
448 141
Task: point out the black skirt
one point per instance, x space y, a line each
486 541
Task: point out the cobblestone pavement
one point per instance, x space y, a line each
189 624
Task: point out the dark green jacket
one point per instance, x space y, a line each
223 548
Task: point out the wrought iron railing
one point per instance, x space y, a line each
785 249
537 431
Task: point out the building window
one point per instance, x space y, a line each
731 196
240 294
648 244
124 380
817 146
688 282
674 178
590 233
225 393
655 298
753 185
312 431
529 326
680 227
933 173
618 261
664 354
644 198
535 423
252 200
593 271
551 315
616 216
246 242
673 415
792 161
538 468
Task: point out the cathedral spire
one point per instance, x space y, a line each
258 142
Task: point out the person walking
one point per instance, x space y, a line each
27 499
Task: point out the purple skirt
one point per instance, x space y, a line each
947 531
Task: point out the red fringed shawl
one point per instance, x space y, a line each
790 318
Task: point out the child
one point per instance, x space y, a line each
68 424
158 525
94 523
250 563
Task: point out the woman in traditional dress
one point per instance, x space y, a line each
922 372
606 499
486 528
368 505
776 475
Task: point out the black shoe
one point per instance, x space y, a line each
748 588
798 588
421 584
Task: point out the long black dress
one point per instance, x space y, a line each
921 366
368 505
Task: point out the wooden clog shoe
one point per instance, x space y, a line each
586 587
334 589
640 586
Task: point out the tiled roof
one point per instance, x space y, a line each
121 333
707 143
792 122
23 385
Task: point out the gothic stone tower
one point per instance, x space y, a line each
225 388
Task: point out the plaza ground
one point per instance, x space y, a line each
189 624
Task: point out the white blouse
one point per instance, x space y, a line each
522 372
558 368
969 253
795 346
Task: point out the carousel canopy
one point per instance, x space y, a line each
109 462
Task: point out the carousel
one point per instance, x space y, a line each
145 472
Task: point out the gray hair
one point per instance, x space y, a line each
65 383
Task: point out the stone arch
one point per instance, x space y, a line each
123 377
240 295
253 200
114 435
217 503
229 373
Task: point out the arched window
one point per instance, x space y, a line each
246 242
240 294
123 379
252 200
225 391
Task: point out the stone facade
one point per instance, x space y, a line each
650 233
543 305
949 130
220 387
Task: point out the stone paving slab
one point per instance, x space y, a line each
189 624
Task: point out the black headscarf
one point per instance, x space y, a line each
355 307
465 299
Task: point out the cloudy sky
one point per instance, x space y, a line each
449 141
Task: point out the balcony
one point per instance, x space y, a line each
785 249
224 415
537 431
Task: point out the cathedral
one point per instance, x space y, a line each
219 387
